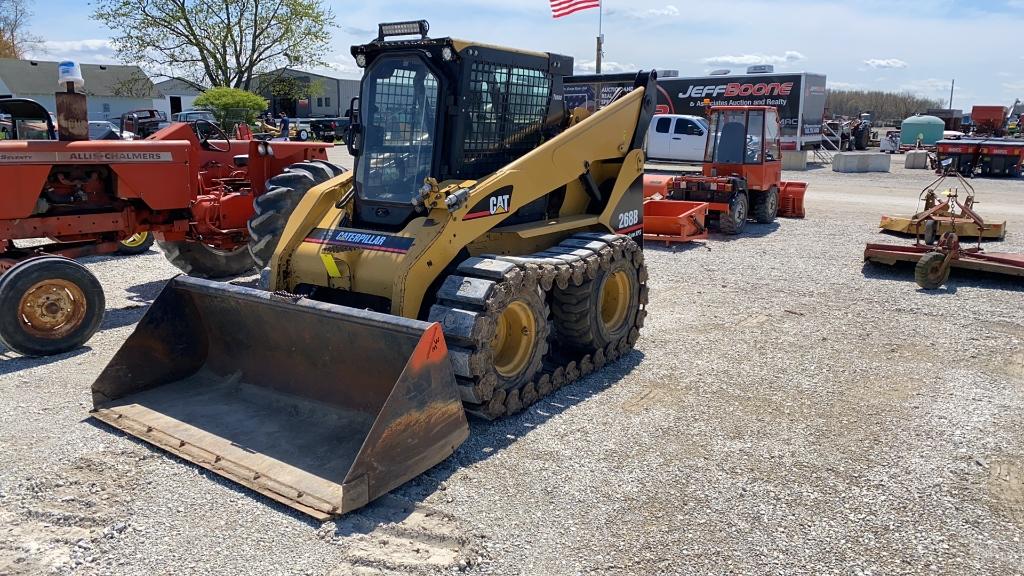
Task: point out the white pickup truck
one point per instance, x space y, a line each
677 138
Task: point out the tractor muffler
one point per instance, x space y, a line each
318 406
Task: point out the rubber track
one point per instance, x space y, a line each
469 301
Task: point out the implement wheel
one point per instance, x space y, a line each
49 305
203 261
601 311
136 243
931 272
273 208
733 221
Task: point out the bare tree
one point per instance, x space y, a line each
884 105
217 42
15 39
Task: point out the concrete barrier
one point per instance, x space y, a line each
860 162
916 160
794 160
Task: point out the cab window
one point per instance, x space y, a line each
771 137
755 137
663 125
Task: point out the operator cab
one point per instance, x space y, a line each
743 135
445 109
24 119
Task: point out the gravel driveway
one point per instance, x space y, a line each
787 411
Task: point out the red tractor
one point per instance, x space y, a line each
187 185
742 173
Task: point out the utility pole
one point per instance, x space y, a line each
600 38
951 86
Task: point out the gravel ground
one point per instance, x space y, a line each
787 411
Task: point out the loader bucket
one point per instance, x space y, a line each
318 406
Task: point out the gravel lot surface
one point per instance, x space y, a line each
787 411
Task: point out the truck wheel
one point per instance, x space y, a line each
136 243
601 311
273 208
930 273
203 261
49 305
931 232
766 206
733 221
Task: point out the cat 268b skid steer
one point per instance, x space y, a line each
484 251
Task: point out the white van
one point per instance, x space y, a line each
677 138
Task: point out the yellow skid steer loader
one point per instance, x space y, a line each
484 251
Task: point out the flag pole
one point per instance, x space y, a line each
600 36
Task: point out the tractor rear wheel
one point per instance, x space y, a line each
204 261
49 305
733 221
273 208
136 243
766 206
931 272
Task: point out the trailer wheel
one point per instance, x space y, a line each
49 305
766 206
203 261
136 243
273 208
931 271
733 221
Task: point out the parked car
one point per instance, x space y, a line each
103 130
193 115
677 138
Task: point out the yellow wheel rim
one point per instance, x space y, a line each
513 339
52 308
615 298
135 240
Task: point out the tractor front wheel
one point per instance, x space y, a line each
136 243
49 305
203 261
733 221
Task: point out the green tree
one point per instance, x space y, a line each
231 105
15 39
217 42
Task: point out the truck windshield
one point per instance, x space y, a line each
399 116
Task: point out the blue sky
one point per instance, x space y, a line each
915 45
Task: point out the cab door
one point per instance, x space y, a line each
659 142
688 140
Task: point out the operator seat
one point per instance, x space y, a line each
732 145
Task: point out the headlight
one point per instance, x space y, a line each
447 54
361 60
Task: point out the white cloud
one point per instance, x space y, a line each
789 56
668 11
886 63
843 85
88 51
607 67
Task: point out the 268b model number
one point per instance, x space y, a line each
627 219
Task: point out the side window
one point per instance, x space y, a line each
755 137
682 126
695 129
663 125
771 136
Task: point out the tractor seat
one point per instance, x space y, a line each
242 160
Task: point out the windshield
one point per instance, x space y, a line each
399 116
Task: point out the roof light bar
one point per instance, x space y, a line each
410 28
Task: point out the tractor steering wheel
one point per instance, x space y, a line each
218 131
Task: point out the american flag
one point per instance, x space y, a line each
561 8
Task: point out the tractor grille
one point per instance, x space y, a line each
505 115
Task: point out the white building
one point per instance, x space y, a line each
175 96
112 90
